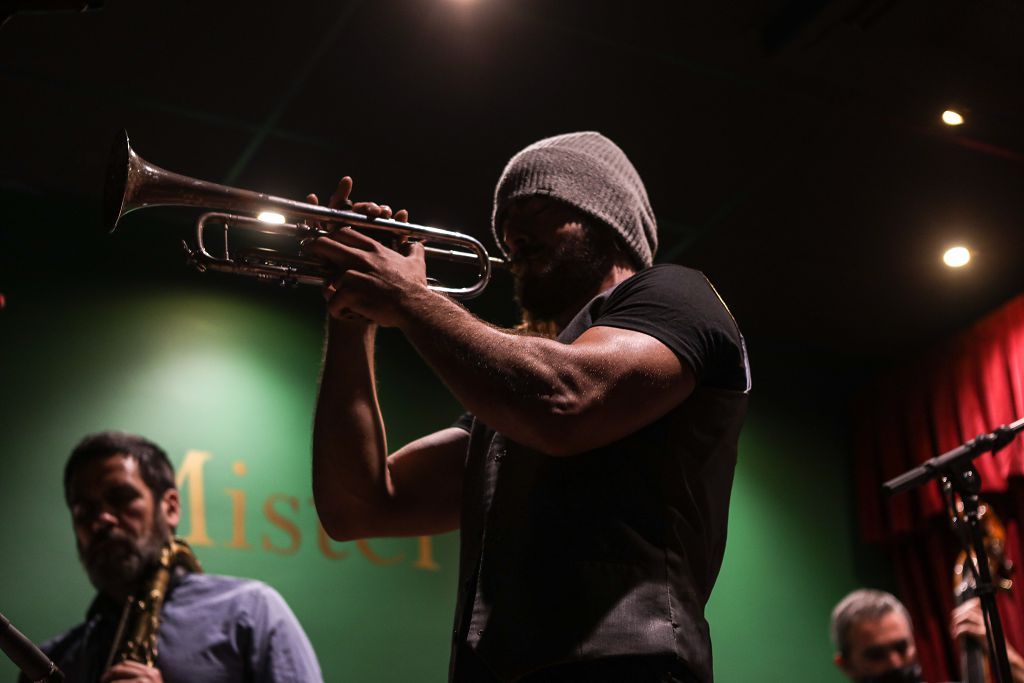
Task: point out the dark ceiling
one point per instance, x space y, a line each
792 149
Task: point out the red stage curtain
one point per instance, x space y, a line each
964 388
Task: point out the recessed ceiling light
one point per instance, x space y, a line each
952 118
957 257
271 217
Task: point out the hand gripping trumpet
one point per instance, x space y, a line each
133 183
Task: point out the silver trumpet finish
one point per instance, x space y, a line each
133 183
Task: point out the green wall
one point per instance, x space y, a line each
198 371
791 554
203 364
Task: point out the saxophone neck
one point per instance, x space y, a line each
182 555
136 637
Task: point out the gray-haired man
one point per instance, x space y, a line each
874 638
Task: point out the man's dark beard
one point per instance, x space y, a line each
548 285
116 563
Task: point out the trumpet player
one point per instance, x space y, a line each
124 507
590 475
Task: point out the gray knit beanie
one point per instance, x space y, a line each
590 173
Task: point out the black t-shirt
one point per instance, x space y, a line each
678 307
612 552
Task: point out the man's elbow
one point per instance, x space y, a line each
342 533
578 424
334 525
565 429
341 521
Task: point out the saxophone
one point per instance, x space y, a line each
135 639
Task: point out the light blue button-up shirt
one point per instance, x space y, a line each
213 629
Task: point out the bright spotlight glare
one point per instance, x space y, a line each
957 257
952 118
271 217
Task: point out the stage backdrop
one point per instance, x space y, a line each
224 377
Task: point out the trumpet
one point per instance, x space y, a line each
133 183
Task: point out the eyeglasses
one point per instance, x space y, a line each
878 653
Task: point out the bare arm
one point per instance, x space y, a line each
358 489
349 444
560 399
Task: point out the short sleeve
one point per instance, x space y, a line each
679 307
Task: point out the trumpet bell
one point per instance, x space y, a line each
133 183
115 189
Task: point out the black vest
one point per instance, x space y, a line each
610 552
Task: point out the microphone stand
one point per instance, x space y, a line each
26 656
958 475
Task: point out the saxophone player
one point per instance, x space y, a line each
124 506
